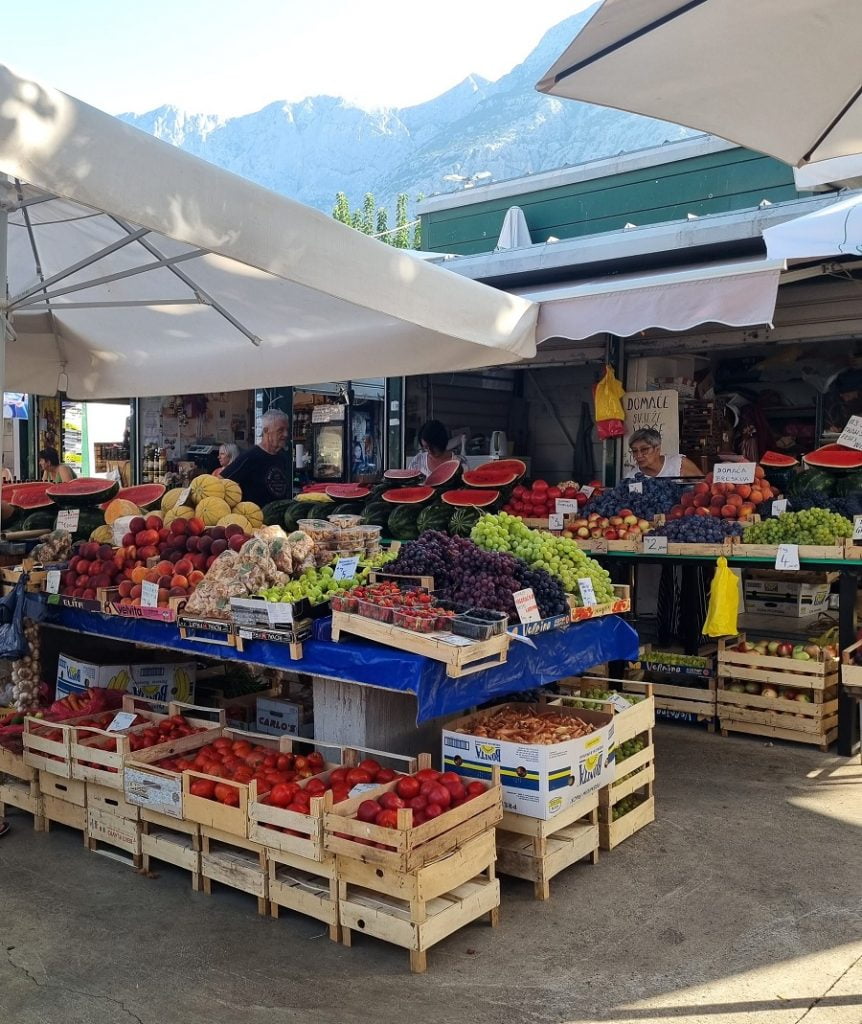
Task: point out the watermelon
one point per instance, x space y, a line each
402 523
777 460
40 520
495 474
463 520
29 496
408 495
402 476
347 508
347 492
448 473
470 498
811 480
849 483
145 496
273 513
433 517
83 493
836 457
376 514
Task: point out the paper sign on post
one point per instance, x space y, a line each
655 545
587 490
149 594
67 519
345 568
588 591
851 435
619 702
567 506
555 521
787 557
121 720
526 606
779 506
636 488
857 529
733 472
52 582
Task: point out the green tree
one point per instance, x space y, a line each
417 227
369 211
383 224
341 210
401 237
356 220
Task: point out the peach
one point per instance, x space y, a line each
179 581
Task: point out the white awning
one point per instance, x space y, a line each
834 230
737 294
137 269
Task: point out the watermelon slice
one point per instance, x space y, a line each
29 496
470 498
835 457
347 492
408 495
83 493
145 496
777 460
495 474
402 476
447 473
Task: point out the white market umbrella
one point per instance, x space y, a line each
514 234
136 269
834 230
780 76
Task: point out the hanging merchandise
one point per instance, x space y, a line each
610 417
723 602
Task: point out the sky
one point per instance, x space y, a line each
227 57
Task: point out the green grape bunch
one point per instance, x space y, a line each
810 526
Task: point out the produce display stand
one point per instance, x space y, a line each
674 700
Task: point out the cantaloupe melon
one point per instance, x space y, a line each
232 492
253 513
120 507
178 512
236 520
170 498
102 535
206 486
210 510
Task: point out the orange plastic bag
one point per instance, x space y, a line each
721 617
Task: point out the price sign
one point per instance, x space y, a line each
362 787
279 613
567 506
655 545
526 606
636 488
733 472
149 594
787 557
555 521
52 583
619 702
587 490
600 547
67 519
183 496
857 529
779 506
121 720
588 592
851 435
345 568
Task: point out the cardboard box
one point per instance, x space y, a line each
157 681
539 780
768 593
279 717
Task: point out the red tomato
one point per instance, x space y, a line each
338 777
427 775
440 795
282 794
254 758
284 762
339 794
418 803
371 766
386 818
315 787
386 775
456 791
270 760
222 743
316 760
243 774
433 811
227 794
448 777
368 811
357 776
407 787
241 748
202 787
476 788
300 763
299 808
391 801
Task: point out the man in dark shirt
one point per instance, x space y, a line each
263 472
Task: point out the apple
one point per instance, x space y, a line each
596 534
772 647
803 698
616 521
626 512
630 520
604 523
643 525
769 691
610 534
583 531
813 651
785 650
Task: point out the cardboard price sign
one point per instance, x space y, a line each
734 472
67 519
149 594
567 506
588 591
655 545
851 435
121 720
779 506
588 491
636 488
52 582
555 521
526 605
345 568
279 613
787 557
857 529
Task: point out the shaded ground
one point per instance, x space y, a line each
742 903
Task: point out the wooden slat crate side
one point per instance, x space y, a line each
170 846
61 811
612 833
824 742
215 815
304 892
72 791
815 675
517 855
26 796
12 763
775 719
540 828
104 798
234 862
124 833
816 708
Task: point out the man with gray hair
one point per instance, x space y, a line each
263 472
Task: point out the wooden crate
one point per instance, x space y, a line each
214 632
70 791
171 841
460 660
635 781
628 722
621 603
308 887
419 908
114 830
410 846
851 675
814 552
26 796
10 575
788 672
61 811
110 801
47 745
538 850
674 700
235 862
12 763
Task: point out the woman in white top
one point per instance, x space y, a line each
433 451
645 446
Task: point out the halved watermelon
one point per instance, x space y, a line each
470 498
402 476
83 493
145 496
348 492
408 495
834 457
777 460
29 496
495 474
446 473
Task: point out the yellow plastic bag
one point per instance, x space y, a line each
723 602
608 393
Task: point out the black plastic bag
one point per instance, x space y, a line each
13 642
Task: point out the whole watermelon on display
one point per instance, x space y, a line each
402 522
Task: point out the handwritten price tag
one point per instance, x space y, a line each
733 472
526 606
566 506
857 529
600 547
636 488
345 568
851 435
588 491
779 506
787 557
362 787
67 519
52 582
555 521
279 613
121 720
149 594
655 545
588 592
619 702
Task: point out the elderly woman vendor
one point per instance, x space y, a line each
645 446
